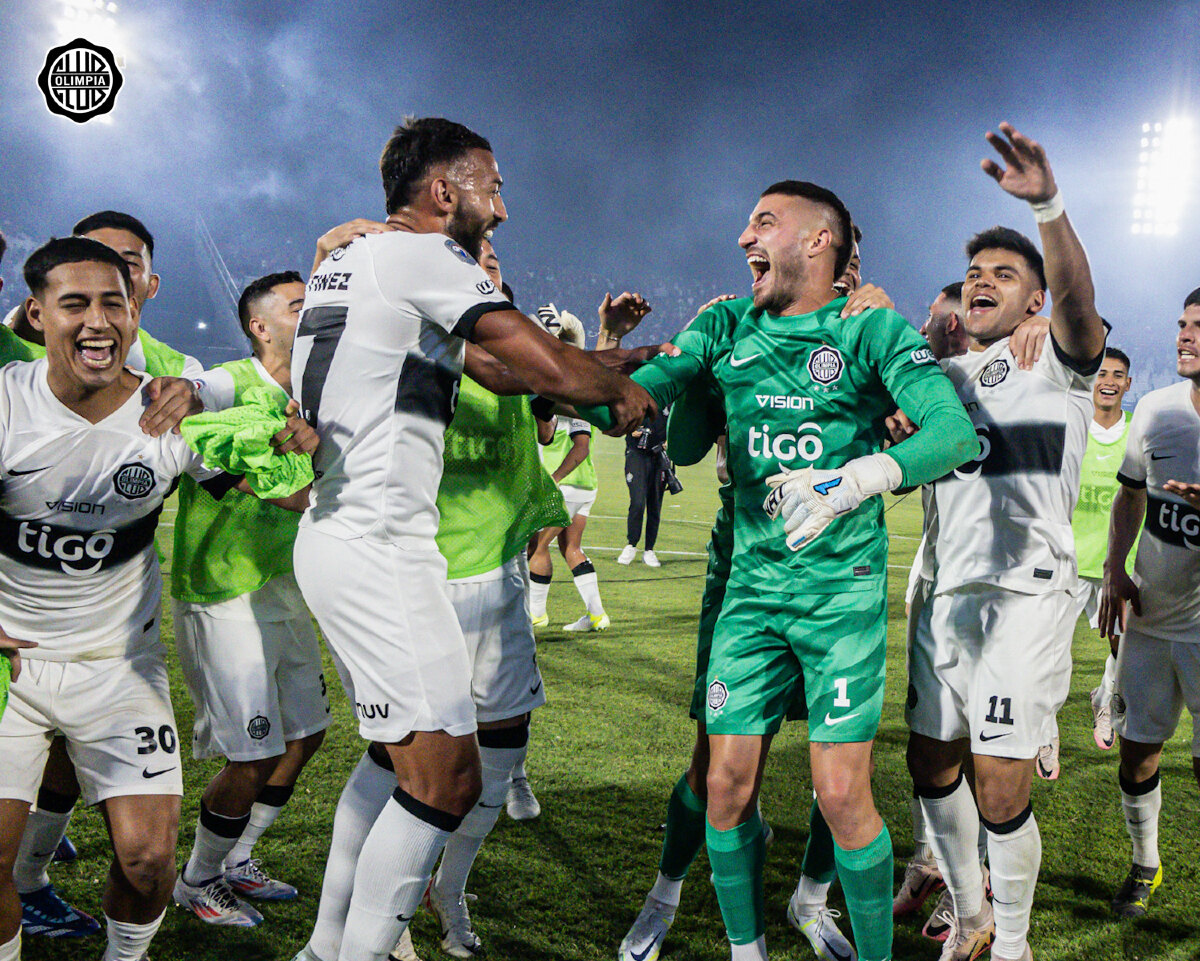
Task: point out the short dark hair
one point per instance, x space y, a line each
115 220
954 290
257 289
857 233
3 245
1117 354
843 243
1192 299
70 250
1005 238
416 145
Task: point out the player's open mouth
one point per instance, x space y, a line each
981 304
1185 354
1107 391
759 267
97 352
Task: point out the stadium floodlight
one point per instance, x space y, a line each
1166 171
93 20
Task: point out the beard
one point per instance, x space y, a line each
469 230
787 284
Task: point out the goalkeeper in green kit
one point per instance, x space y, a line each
805 394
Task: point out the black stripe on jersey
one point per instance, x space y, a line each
1018 449
1083 367
427 390
70 551
325 325
1137 485
1173 523
465 328
221 485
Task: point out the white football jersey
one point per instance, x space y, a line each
1163 445
1005 518
78 506
376 369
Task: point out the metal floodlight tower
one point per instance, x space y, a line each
1167 161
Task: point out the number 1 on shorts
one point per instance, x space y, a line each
842 699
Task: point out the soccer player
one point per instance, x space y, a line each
246 643
1154 615
81 580
376 368
806 388
568 457
991 652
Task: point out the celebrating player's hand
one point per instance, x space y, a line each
809 499
1189 492
345 234
1027 174
11 648
168 401
867 297
713 303
620 315
1027 340
899 426
1117 591
631 409
297 435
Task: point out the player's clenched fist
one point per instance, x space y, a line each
809 499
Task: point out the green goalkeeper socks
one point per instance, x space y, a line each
819 863
736 857
866 876
685 831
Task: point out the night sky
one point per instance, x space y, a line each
633 137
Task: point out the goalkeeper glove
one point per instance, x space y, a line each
809 499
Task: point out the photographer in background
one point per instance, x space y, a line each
645 463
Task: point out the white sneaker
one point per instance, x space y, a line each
521 804
627 554
645 939
404 950
215 903
458 940
651 559
589 622
250 881
820 927
1102 729
1047 761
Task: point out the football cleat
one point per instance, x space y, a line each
921 879
645 939
44 912
650 559
542 620
214 903
458 940
1102 729
967 944
589 622
1047 761
65 852
404 950
250 881
521 803
938 925
628 553
820 927
1133 898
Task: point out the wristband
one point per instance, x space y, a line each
1048 210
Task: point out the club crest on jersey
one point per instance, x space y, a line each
718 694
259 727
133 481
994 373
825 365
458 252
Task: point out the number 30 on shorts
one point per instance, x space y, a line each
151 741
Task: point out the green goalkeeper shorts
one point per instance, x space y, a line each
766 648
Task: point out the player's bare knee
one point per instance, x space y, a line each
148 864
932 763
1002 791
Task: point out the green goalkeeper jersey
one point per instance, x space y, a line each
813 391
233 546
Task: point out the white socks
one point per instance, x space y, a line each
811 895
11 950
539 590
952 829
262 815
215 837
921 849
463 847
757 951
588 586
1015 856
364 796
43 831
393 869
667 890
128 941
1141 804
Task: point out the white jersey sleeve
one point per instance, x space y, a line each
1132 472
216 388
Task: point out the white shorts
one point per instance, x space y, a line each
578 500
493 613
992 665
384 611
116 715
1087 600
1156 679
256 684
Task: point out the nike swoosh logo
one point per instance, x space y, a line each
43 854
490 807
984 737
34 470
838 720
146 773
736 362
537 687
1105 456
402 919
1152 457
645 954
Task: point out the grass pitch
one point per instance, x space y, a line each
605 752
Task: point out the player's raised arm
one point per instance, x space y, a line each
1074 321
